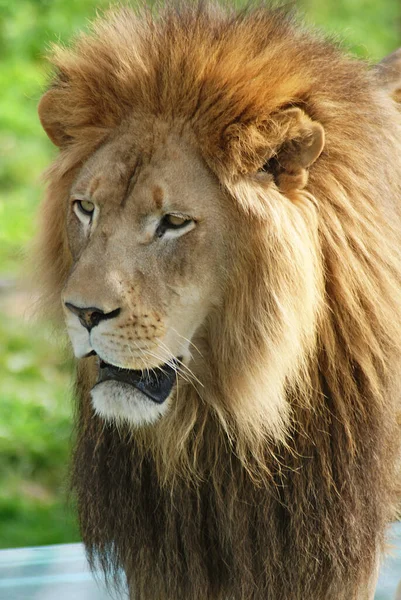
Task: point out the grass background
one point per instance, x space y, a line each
35 373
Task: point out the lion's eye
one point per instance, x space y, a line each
172 222
175 221
84 210
85 206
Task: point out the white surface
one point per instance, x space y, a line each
61 573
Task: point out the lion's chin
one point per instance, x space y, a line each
134 396
118 401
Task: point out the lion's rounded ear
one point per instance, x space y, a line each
305 138
49 115
388 74
302 142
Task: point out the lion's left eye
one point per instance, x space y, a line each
172 222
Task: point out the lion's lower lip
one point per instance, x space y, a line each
155 383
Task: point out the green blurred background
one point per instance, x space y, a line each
35 372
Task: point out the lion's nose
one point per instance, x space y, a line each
91 316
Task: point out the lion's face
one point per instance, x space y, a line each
146 229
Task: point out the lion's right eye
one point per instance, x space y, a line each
84 210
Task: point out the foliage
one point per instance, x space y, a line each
368 28
35 407
35 433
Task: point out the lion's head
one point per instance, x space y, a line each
189 239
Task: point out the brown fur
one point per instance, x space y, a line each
207 504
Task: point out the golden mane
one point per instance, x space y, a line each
207 504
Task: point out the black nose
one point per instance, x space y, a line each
91 316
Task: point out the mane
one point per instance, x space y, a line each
214 476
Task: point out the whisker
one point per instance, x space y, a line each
146 369
175 363
181 366
188 372
187 340
172 363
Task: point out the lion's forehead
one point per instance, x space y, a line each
151 174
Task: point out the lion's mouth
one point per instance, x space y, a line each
156 383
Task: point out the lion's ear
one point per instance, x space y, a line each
50 117
302 141
388 73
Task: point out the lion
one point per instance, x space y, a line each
221 235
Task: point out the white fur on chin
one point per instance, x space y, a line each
116 401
